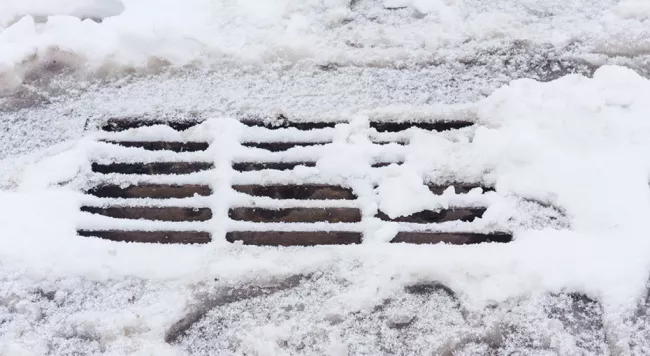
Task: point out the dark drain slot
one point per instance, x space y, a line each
296 215
152 168
159 191
430 216
278 166
164 145
283 124
454 238
160 237
149 213
384 143
294 238
281 146
122 124
385 164
383 126
460 188
317 192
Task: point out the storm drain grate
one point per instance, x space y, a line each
152 200
383 126
281 146
147 201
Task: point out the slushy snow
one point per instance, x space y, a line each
141 34
575 143
576 146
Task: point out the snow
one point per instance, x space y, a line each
99 9
141 34
576 144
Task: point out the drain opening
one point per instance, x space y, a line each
123 124
174 146
149 190
159 237
454 238
278 166
384 143
283 123
295 215
386 164
282 146
430 216
152 213
157 191
294 238
315 192
459 188
386 126
274 191
154 168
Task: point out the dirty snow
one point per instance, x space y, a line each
139 34
576 143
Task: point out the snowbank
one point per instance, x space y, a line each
150 34
576 143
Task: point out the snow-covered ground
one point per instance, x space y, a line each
391 33
578 143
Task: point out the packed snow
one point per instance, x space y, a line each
575 145
139 34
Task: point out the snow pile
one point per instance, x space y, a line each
579 144
575 143
11 11
590 132
148 34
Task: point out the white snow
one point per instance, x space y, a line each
148 34
578 144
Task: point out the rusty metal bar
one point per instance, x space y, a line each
387 126
175 146
459 188
454 238
160 237
278 166
294 238
295 215
293 191
152 168
430 216
281 146
283 124
126 123
157 191
152 213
